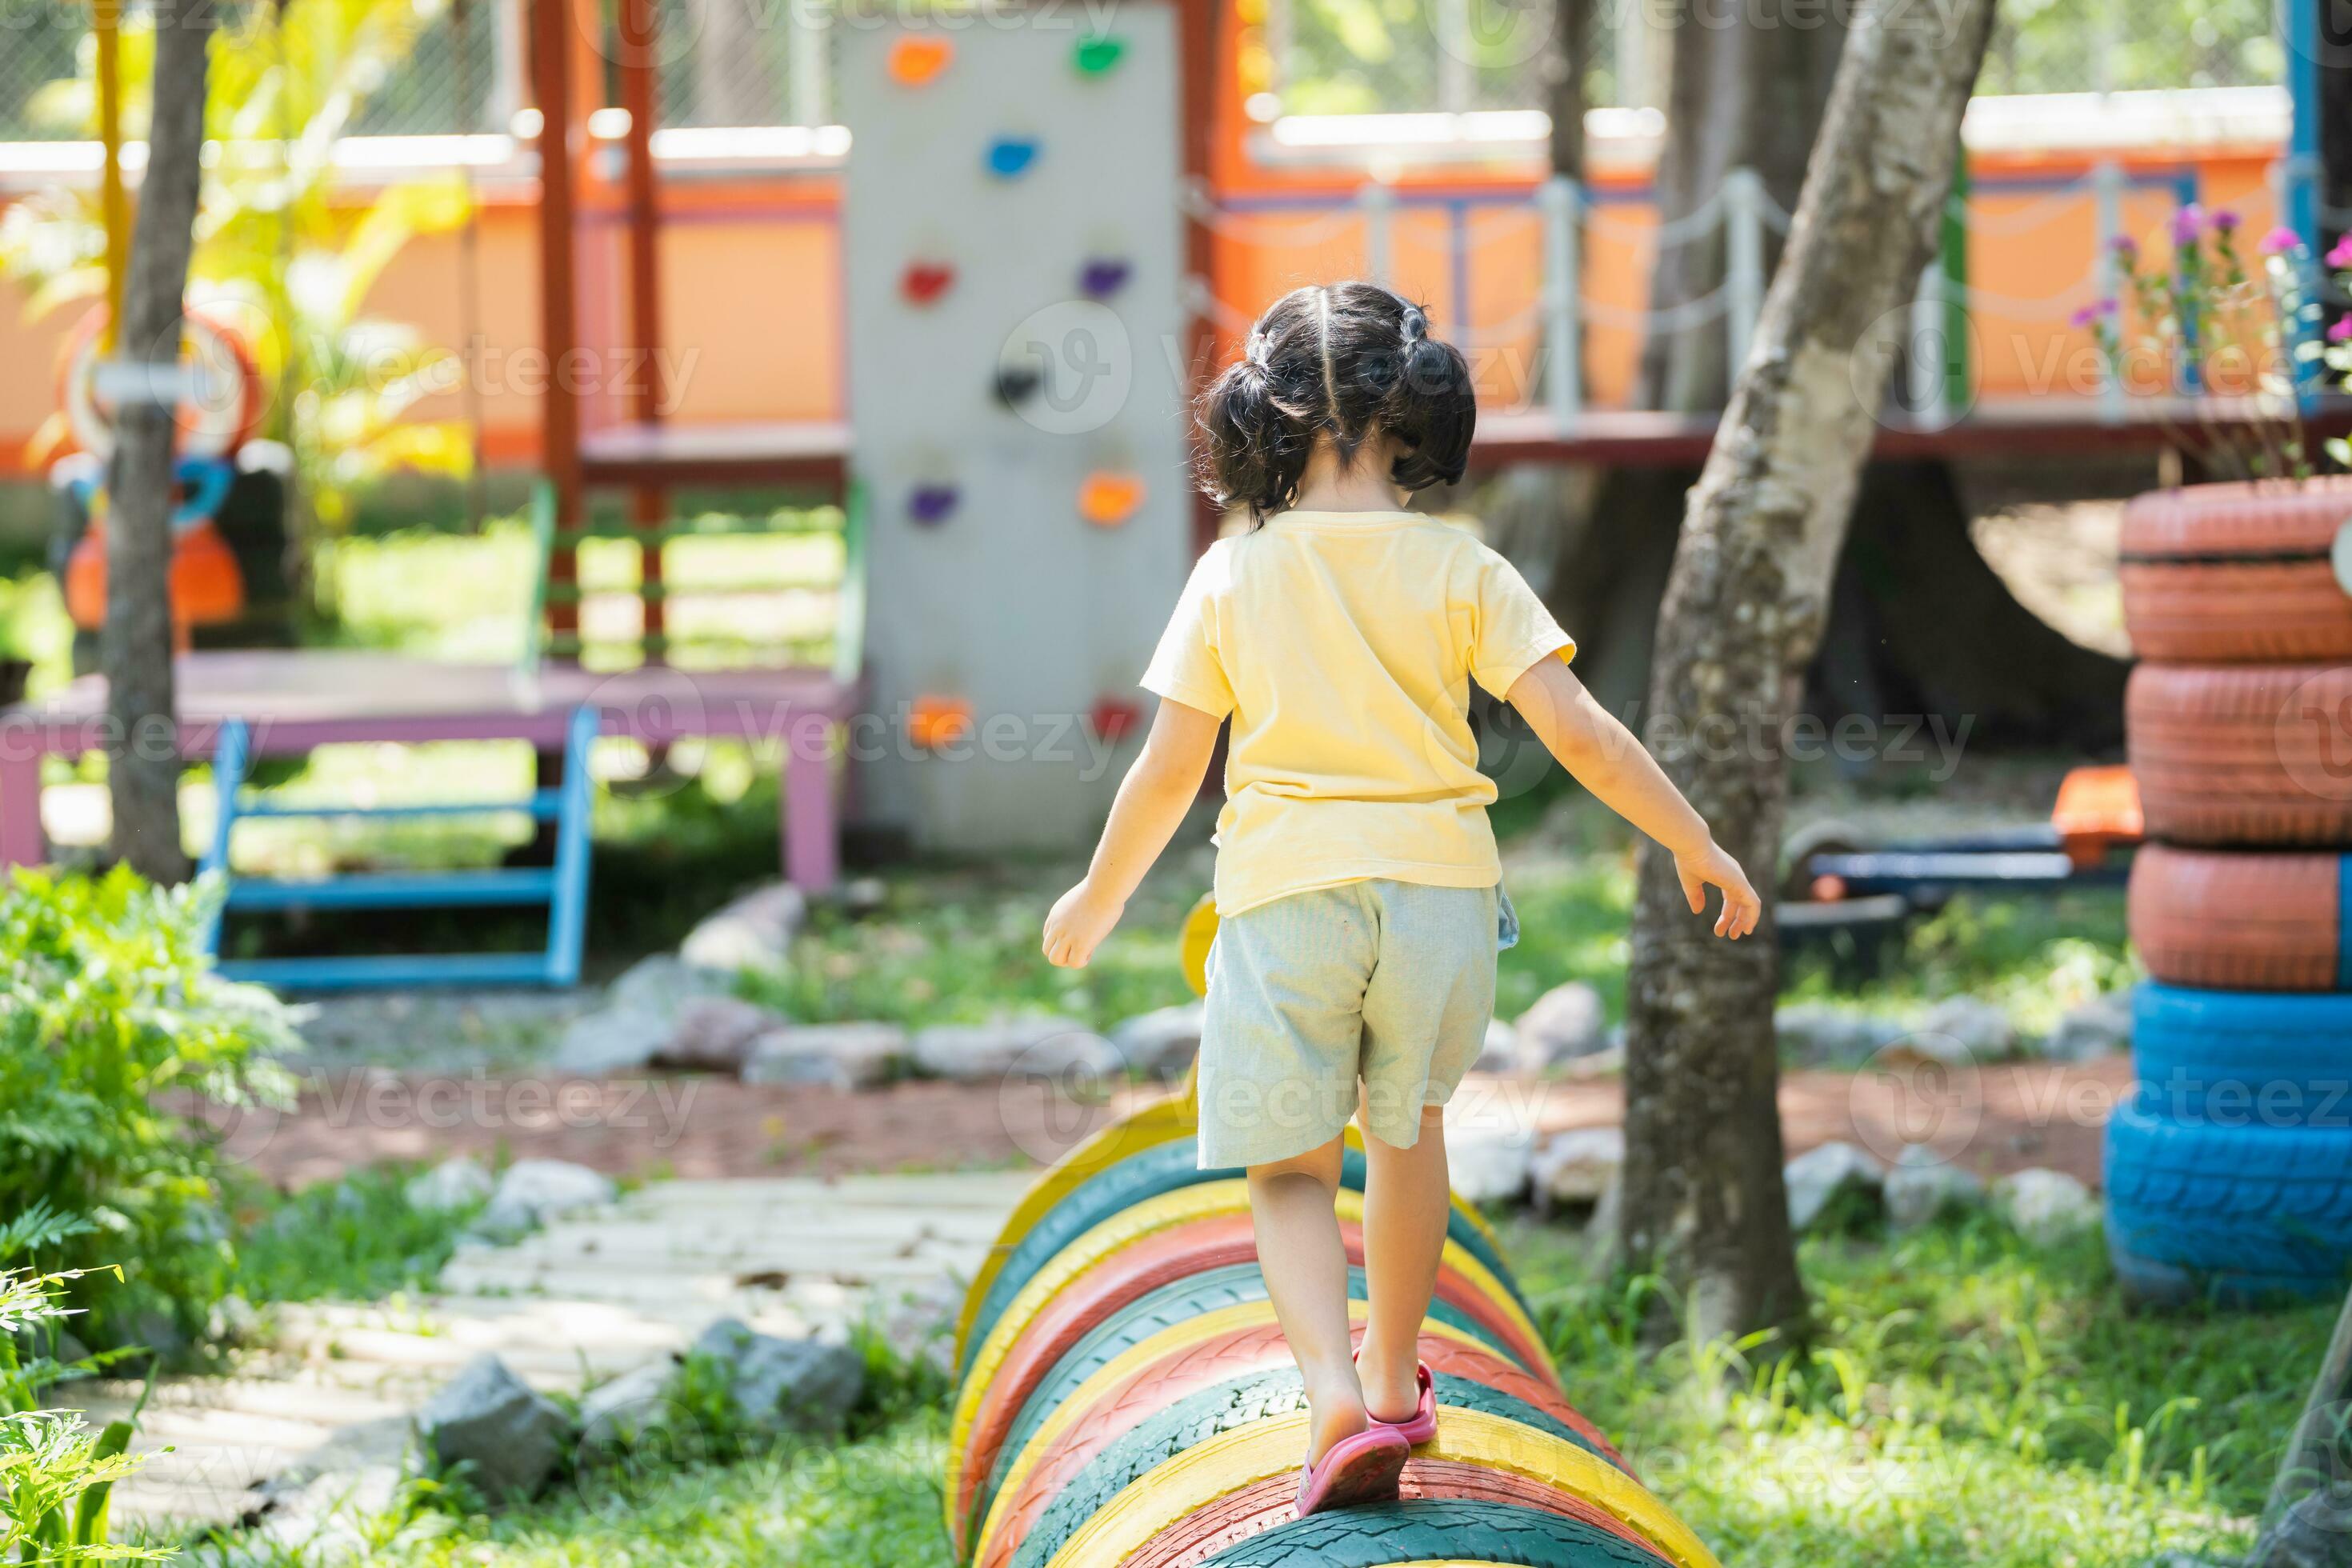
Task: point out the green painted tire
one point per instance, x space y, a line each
1435 1532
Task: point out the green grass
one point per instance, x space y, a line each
1971 1399
355 1239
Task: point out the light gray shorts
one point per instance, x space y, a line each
1388 984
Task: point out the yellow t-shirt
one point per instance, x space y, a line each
1343 645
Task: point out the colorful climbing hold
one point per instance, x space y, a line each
924 281
931 505
1108 499
1098 55
1115 718
935 724
917 61
1009 157
1017 384
1102 277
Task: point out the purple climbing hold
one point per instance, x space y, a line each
932 504
1102 277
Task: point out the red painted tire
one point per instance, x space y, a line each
2224 573
2237 921
1235 1517
1258 1348
2245 754
1135 1272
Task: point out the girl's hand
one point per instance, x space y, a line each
1078 921
1712 867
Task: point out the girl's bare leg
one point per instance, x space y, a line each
1407 1202
1305 1268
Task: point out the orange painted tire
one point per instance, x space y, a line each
1183 1253
2239 919
1257 1348
2224 573
2244 755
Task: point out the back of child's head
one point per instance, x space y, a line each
1352 361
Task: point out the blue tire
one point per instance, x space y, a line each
2280 1059
2232 1211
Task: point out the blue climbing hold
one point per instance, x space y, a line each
1009 157
930 505
1102 277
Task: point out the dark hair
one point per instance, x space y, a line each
1350 361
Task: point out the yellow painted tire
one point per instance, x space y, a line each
1200 1476
1200 933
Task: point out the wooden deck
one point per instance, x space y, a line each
295 700
815 456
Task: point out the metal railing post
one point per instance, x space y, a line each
1929 351
1379 204
1743 281
2107 197
1562 201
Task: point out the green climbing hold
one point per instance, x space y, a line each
1098 54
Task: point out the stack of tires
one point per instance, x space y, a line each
1125 1399
2229 1169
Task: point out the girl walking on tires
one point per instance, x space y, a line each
1357 879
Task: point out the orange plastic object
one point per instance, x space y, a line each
206 585
933 722
917 61
2097 808
1108 499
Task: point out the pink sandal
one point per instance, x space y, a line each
1421 1426
1358 1469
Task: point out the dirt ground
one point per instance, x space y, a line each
1995 1121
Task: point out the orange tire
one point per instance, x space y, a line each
2237 921
2250 754
2224 574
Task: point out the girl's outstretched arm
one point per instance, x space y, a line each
1152 800
1606 759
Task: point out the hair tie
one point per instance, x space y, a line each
1253 351
1414 326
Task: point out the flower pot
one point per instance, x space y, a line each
2237 572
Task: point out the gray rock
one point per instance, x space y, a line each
799 1385
1960 1031
754 932
610 1040
1160 1043
715 1034
663 984
1819 1175
839 1056
454 1183
2099 1027
615 1416
865 895
977 1052
1812 1034
1924 1184
1576 1166
1490 1138
533 1192
1500 1053
1567 1022
491 1419
2044 1205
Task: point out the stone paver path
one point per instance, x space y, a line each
582 1300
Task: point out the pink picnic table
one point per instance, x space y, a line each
294 699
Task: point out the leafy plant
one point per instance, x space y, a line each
277 252
2208 326
56 1478
115 1040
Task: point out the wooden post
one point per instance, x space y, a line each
551 35
640 23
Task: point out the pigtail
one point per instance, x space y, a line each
1431 408
1254 449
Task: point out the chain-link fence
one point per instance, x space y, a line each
38 43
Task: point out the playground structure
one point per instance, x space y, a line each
1125 1394
956 255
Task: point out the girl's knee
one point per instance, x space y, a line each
1321 1165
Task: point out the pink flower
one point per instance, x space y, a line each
2339 330
2340 254
2125 246
2224 222
2282 241
2188 223
2088 316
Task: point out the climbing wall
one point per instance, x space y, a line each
1012 253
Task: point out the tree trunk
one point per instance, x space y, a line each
1704 1201
144 767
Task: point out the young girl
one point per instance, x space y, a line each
1357 879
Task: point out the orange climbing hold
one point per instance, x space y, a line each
1108 499
917 61
936 722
